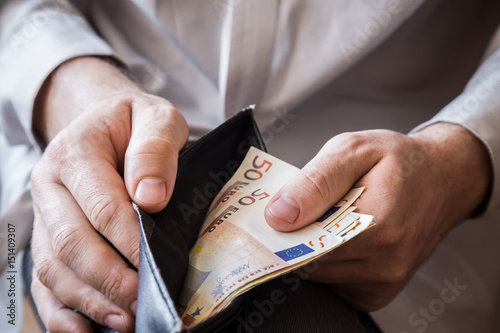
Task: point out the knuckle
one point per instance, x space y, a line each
37 178
37 175
60 154
59 147
45 270
148 100
392 143
155 106
134 250
67 243
390 240
152 145
52 324
350 144
113 283
388 245
348 140
103 210
80 140
382 141
41 175
319 184
87 305
178 118
172 124
388 134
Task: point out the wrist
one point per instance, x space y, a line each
74 87
461 164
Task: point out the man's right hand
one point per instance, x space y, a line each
110 142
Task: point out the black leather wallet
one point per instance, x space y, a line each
168 236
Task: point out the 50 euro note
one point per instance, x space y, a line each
237 250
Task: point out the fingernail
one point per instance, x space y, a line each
151 190
116 322
133 307
285 208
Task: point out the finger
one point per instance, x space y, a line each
83 250
95 185
54 314
322 182
70 289
158 133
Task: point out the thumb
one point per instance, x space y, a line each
158 133
321 183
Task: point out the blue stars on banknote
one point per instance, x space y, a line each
197 312
294 252
218 290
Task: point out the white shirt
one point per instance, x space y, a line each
334 66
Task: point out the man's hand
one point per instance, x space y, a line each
109 143
417 187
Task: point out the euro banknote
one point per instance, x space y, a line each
237 250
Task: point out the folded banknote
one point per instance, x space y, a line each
237 250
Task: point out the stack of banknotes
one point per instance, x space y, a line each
237 250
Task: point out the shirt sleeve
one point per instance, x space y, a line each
478 110
36 36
